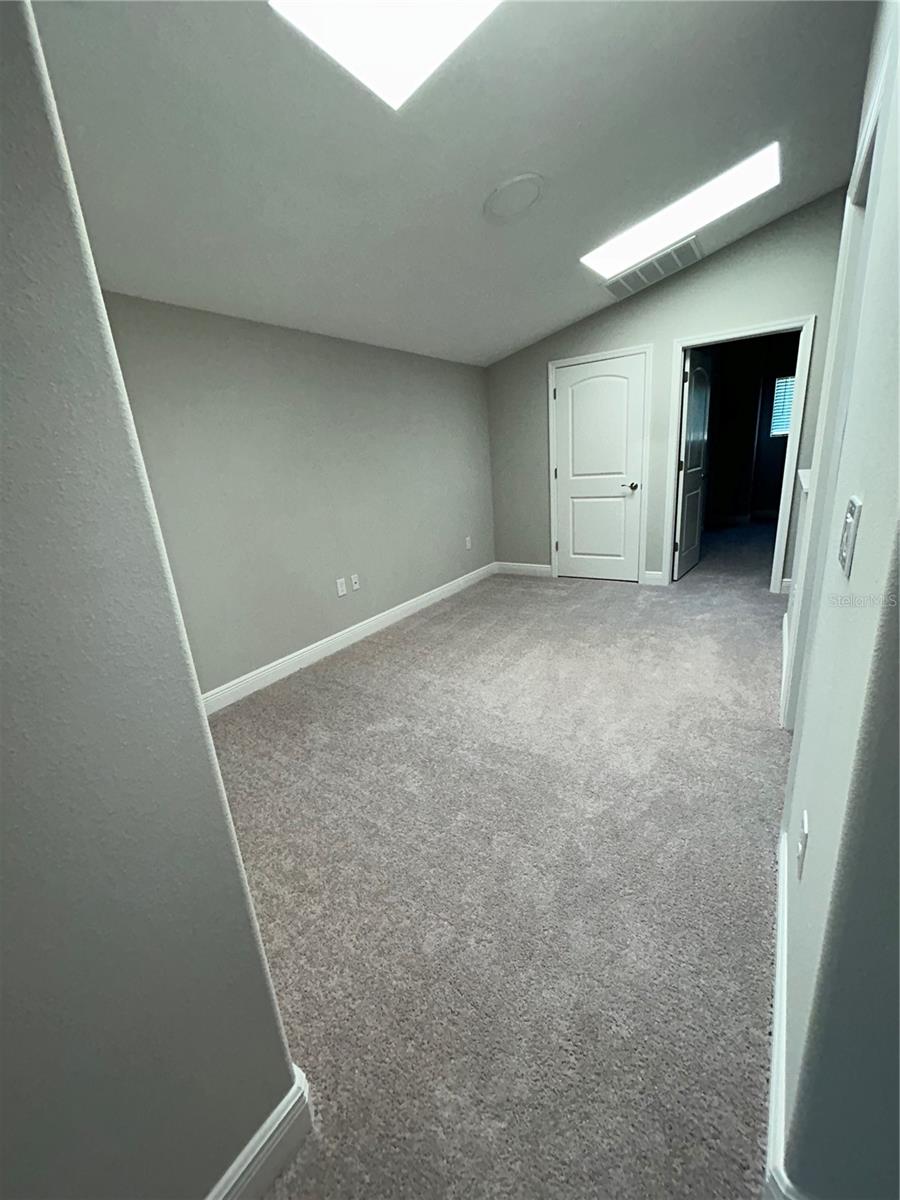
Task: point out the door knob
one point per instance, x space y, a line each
633 487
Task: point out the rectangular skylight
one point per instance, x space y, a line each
390 46
749 179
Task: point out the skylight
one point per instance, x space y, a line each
743 182
390 46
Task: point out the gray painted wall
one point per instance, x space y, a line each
281 460
785 270
841 1081
141 1046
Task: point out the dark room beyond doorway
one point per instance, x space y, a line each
746 420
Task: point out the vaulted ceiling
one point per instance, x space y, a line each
225 163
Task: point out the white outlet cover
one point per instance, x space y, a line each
849 529
354 582
342 586
468 543
802 843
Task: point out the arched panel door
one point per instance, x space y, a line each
599 455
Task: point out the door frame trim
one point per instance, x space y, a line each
601 356
805 326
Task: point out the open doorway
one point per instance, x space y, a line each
742 408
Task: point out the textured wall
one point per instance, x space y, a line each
841 979
141 1046
281 460
785 270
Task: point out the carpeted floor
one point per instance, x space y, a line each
513 862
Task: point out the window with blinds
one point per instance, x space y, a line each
781 409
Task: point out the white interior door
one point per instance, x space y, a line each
599 411
692 463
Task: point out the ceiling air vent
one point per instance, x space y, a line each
676 258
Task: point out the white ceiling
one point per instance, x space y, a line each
225 163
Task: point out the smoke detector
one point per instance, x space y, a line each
513 198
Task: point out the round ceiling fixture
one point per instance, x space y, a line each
514 198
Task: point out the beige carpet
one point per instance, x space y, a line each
513 861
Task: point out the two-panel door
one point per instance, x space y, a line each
692 461
599 421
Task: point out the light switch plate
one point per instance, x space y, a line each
341 586
802 843
848 534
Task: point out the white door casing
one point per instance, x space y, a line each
692 461
598 411
805 326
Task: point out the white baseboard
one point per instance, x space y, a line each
262 677
272 1147
656 578
505 568
781 1189
786 586
253 681
777 1185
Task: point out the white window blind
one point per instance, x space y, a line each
781 409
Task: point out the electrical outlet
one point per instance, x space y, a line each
354 582
342 586
468 543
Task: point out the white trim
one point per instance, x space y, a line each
785 668
645 466
551 464
775 1135
601 356
805 326
786 585
801 384
810 552
272 1147
262 677
858 187
778 1186
505 568
656 578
